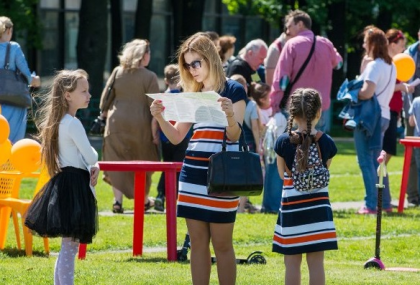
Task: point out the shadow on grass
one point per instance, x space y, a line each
350 213
14 253
148 260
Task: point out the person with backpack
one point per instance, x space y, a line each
305 220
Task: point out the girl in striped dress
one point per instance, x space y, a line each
208 218
305 221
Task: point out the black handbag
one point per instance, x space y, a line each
234 173
98 125
14 89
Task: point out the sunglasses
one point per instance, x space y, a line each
194 64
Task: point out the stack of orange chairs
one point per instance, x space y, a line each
11 204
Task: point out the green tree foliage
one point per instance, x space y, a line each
25 20
345 30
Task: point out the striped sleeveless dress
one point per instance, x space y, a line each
193 200
305 220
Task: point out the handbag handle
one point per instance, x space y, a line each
6 58
242 143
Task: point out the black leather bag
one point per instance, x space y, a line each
98 126
235 173
14 89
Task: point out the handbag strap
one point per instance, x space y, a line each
242 144
390 76
305 63
302 68
6 58
111 85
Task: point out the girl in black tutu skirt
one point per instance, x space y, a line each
66 206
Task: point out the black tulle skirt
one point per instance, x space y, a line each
65 207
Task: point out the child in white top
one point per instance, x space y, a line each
66 205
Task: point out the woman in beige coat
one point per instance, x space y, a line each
128 133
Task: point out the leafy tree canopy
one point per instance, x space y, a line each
24 18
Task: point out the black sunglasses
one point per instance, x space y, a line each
194 64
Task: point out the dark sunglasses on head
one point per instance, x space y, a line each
194 64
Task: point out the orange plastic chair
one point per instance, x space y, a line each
10 203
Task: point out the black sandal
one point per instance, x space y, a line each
117 208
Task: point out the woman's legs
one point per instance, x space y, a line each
118 195
200 251
292 264
64 266
315 262
148 184
221 238
368 165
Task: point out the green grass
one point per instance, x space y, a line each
109 259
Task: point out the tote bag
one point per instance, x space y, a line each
14 89
234 173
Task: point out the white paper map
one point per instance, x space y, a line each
192 107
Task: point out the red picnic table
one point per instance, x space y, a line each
409 143
140 168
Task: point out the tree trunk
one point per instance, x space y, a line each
91 42
143 19
116 32
188 18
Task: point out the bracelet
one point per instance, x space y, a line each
233 114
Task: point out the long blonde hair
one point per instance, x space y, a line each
202 45
53 107
133 53
5 23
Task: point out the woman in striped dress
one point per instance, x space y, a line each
208 218
305 221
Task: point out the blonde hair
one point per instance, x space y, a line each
133 53
202 45
53 107
5 23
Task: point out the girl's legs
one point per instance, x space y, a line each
292 264
315 262
221 238
64 266
200 251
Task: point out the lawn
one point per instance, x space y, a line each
109 259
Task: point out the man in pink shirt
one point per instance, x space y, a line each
318 72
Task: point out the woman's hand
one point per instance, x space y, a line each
226 105
94 173
36 81
157 108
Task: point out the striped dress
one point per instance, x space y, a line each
305 220
193 201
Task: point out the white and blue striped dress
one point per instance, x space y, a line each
193 200
305 220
